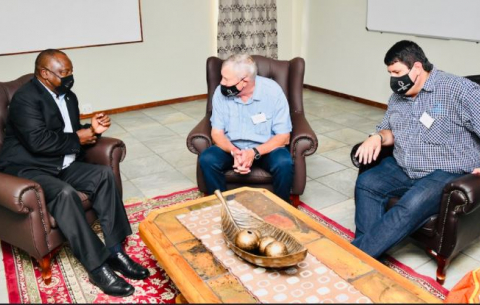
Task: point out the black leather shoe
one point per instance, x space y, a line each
110 283
122 263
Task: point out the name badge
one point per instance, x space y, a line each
259 118
426 120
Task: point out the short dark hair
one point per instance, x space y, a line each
407 52
43 57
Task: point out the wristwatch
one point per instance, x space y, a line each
257 154
377 134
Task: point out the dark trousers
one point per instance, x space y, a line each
65 205
214 162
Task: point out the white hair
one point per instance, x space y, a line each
242 64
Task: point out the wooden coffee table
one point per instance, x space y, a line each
202 279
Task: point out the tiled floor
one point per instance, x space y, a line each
158 162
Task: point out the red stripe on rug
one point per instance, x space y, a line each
390 261
10 274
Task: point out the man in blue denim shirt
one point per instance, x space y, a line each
433 122
250 124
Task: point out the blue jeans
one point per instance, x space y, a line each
376 229
214 162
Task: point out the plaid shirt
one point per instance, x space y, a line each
452 143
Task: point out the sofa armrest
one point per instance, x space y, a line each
303 140
21 195
387 151
107 151
200 137
462 195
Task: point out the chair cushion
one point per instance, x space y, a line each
87 205
256 176
428 228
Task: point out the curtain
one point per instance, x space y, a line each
247 26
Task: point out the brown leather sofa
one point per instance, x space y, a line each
456 225
303 141
24 218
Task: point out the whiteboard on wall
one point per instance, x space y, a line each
445 19
31 25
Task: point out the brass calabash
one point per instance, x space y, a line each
276 249
247 240
235 219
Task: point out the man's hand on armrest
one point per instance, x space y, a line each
86 136
371 147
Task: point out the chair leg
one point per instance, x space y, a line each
45 264
295 199
442 265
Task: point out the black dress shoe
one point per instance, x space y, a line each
110 283
122 263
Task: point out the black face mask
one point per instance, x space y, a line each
230 91
401 84
65 85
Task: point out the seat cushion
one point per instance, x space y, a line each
256 176
428 228
87 205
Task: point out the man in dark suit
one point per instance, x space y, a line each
43 142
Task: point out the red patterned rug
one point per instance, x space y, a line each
70 283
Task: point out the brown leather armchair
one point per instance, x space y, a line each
455 226
303 141
24 218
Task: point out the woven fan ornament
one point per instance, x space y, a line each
250 230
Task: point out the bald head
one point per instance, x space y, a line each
46 57
51 66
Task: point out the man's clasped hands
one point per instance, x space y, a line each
243 160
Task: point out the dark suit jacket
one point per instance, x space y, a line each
34 135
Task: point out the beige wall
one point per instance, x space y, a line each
170 63
341 55
180 34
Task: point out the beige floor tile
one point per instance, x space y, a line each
318 166
322 125
183 128
153 132
179 158
161 110
410 254
171 118
138 150
189 171
367 126
342 181
347 119
144 166
319 196
347 135
163 183
165 144
326 144
324 111
340 155
131 192
343 213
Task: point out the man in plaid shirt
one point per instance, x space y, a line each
433 122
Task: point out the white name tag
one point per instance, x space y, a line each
259 118
426 120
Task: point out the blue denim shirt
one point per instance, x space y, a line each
452 142
234 117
